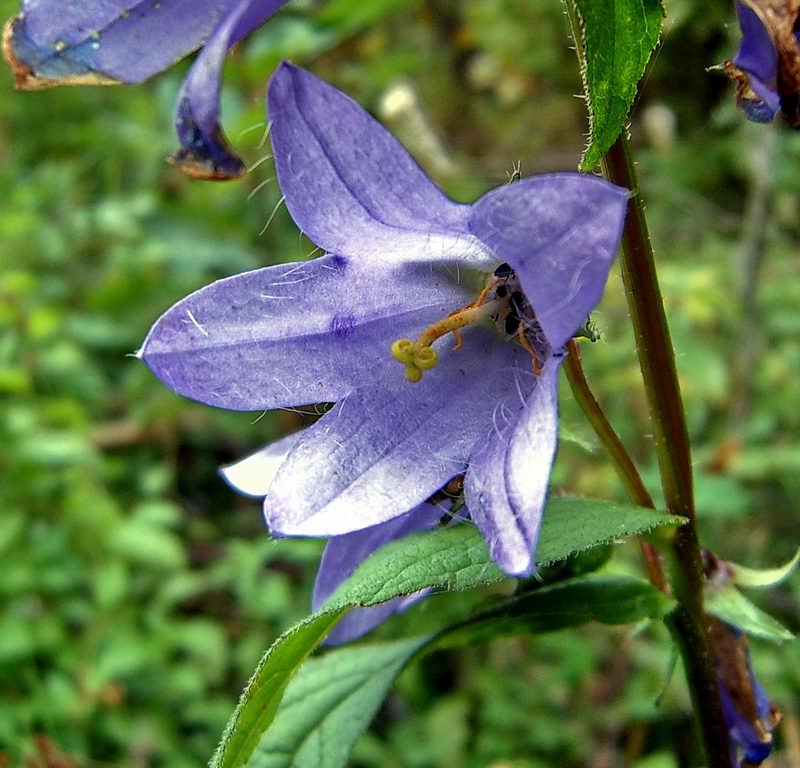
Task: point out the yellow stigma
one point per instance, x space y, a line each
415 357
418 356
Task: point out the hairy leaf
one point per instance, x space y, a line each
619 36
456 558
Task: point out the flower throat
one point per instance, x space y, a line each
502 300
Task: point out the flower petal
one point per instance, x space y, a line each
755 67
388 447
53 42
205 152
343 554
351 186
253 475
560 233
507 480
293 334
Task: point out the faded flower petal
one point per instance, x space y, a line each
343 554
388 447
766 68
205 152
293 334
749 714
253 475
105 42
508 475
560 232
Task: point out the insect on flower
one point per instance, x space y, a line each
512 276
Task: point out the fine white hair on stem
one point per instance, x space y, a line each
272 215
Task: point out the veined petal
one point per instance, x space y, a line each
507 480
351 186
205 152
343 554
105 41
294 334
560 232
253 475
388 447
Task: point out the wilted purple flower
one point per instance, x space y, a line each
766 68
105 42
749 714
516 273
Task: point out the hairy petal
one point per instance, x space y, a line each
507 480
205 152
351 186
343 554
53 42
560 232
388 447
253 475
293 334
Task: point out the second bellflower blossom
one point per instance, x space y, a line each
105 42
480 298
766 68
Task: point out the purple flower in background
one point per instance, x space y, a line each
749 714
766 68
479 298
106 42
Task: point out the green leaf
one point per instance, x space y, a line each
332 699
452 559
259 702
762 578
329 704
732 606
457 558
619 36
606 599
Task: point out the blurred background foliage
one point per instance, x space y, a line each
137 591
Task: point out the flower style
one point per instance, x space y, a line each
766 68
106 42
436 328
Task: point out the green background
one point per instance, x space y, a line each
137 592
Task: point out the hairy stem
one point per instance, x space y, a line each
657 361
626 469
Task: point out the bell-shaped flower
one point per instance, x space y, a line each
105 42
436 328
766 69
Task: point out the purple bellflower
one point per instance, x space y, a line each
106 42
436 328
766 69
749 714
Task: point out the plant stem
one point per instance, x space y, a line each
626 469
657 361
